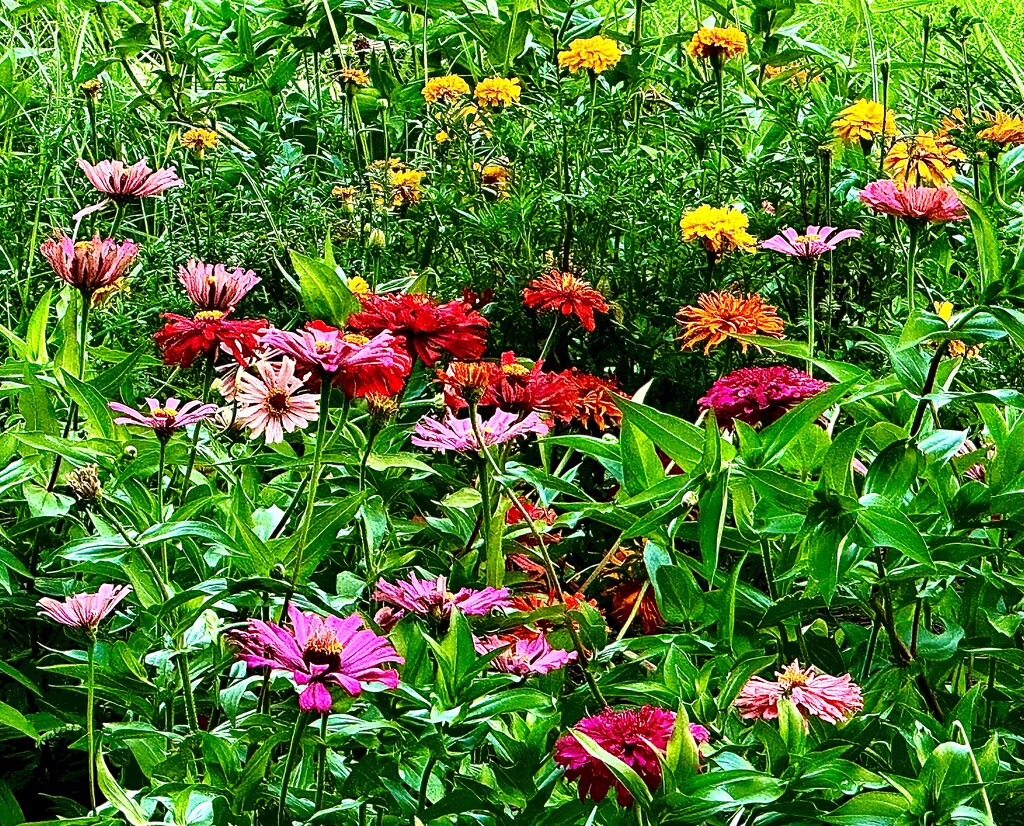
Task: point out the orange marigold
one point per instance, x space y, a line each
862 121
497 91
719 229
922 160
594 53
406 186
1005 130
717 43
719 316
353 77
447 89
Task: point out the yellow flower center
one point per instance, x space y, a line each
211 280
277 400
355 338
792 677
514 370
165 413
209 315
806 239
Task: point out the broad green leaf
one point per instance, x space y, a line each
325 295
117 796
11 718
681 441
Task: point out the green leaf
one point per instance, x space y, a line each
35 335
641 468
714 505
623 773
778 435
325 295
870 809
885 525
837 472
91 402
11 718
116 795
984 238
681 441
792 727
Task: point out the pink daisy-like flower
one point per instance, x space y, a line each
272 404
457 434
84 611
637 736
320 652
214 286
759 395
814 242
164 419
920 203
122 183
833 699
523 655
89 266
431 598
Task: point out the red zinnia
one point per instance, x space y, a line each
545 516
595 400
430 329
759 395
182 339
515 388
564 292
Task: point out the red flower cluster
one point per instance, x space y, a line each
429 328
182 340
514 517
568 294
759 395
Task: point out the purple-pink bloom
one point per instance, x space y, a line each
457 434
320 652
759 395
122 183
814 242
525 654
431 598
920 203
833 699
214 286
164 419
84 611
89 266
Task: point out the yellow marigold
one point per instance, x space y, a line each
357 285
718 229
862 121
956 348
717 43
445 89
496 177
406 186
389 166
1005 130
497 91
922 160
593 53
345 193
353 77
199 140
442 137
719 316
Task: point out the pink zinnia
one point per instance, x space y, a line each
431 598
921 203
89 266
524 655
319 652
759 395
272 404
816 241
457 434
122 183
833 699
164 419
637 736
214 286
84 611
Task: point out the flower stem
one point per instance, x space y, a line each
716 68
321 765
191 718
207 384
549 339
812 271
84 335
421 801
913 231
164 564
289 764
90 702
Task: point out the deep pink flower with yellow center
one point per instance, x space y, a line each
833 699
431 598
89 266
84 611
814 242
214 286
164 419
759 395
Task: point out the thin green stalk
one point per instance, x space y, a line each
590 120
812 272
191 718
716 68
913 231
90 733
207 384
876 628
549 339
926 24
321 765
164 563
421 799
289 764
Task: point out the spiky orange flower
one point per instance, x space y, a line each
565 292
594 53
922 160
719 316
353 77
862 121
718 229
469 379
717 43
497 91
1005 130
447 89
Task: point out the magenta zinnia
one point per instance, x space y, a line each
431 598
89 266
457 434
214 286
84 611
814 242
637 736
833 699
164 419
920 203
523 655
759 395
272 403
320 652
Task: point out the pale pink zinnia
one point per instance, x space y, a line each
759 395
637 736
122 183
814 242
214 286
89 266
833 699
164 419
457 434
522 655
320 652
272 403
84 611
431 598
918 203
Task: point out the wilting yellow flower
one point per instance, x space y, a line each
406 186
445 89
719 229
957 349
1005 130
717 43
389 166
497 91
798 77
199 140
357 285
594 53
353 77
496 177
922 160
719 316
862 121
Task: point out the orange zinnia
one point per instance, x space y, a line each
719 316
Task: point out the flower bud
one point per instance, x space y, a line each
377 239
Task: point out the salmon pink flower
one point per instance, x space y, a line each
814 242
214 287
913 203
164 419
637 736
524 655
84 611
566 293
431 598
271 403
89 266
122 183
457 434
833 699
182 340
320 652
759 395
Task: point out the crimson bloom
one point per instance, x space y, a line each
637 736
512 387
89 266
542 519
913 203
182 340
566 293
122 183
833 699
814 242
214 286
525 654
84 611
457 434
320 652
759 395
431 598
429 328
164 419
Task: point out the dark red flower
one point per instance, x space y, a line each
182 340
516 388
547 516
595 400
430 329
568 294
477 300
759 395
